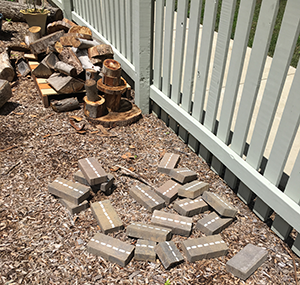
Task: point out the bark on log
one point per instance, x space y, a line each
66 40
11 10
94 109
65 68
91 90
91 74
111 68
6 70
82 43
51 59
41 44
65 84
42 70
22 47
34 33
111 81
68 56
72 24
82 55
5 92
102 52
58 26
65 105
81 30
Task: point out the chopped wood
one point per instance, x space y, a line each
111 68
69 22
80 30
65 105
42 70
102 52
23 67
65 68
68 56
82 55
65 84
34 33
91 74
57 26
82 43
111 81
58 47
41 44
6 70
51 59
5 92
21 47
95 109
91 90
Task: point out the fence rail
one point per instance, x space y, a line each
233 105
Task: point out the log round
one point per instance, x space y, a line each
65 105
111 81
6 70
111 68
91 73
34 33
80 30
91 90
65 68
112 90
94 109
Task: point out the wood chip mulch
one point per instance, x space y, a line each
41 243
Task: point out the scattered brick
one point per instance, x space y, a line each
193 189
79 177
183 175
180 225
213 224
168 191
73 192
73 208
204 248
189 208
144 250
92 171
106 216
168 254
221 205
111 249
146 197
245 262
168 162
149 232
105 186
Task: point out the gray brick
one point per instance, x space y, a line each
245 262
221 205
180 225
168 162
73 192
92 171
111 249
108 184
204 248
189 208
144 250
183 175
106 216
168 191
213 224
193 189
168 254
146 197
73 208
149 232
79 177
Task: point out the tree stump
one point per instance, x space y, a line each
95 109
111 68
6 70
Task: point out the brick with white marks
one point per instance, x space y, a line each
111 249
213 224
73 192
106 216
92 171
146 197
168 162
204 248
193 189
168 254
246 261
149 232
189 208
183 175
168 191
220 205
180 225
73 208
105 186
145 250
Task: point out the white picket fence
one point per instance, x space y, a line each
223 106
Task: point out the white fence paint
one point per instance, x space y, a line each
194 84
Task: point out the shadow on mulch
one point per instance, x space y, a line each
8 107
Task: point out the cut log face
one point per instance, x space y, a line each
65 105
23 67
57 26
91 74
42 70
41 44
65 68
69 22
65 84
91 90
34 33
111 68
51 59
81 30
58 47
82 43
68 56
94 109
5 92
102 52
6 70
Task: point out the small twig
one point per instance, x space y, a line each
8 148
14 166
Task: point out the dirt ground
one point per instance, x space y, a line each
41 243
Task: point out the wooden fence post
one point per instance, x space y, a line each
142 51
67 7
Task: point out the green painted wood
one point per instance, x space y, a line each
296 245
245 194
158 48
281 228
98 16
193 144
118 24
181 19
164 117
173 125
123 30
204 57
129 31
107 20
183 134
155 109
230 179
112 10
264 29
167 46
217 166
220 59
191 52
239 48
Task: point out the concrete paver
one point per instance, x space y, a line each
168 191
168 254
73 208
189 208
193 189
183 175
145 250
168 162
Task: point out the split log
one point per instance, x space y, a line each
91 74
22 47
5 92
69 22
65 68
102 52
6 70
42 70
68 56
111 68
67 39
65 105
96 61
95 109
58 26
82 43
11 10
58 47
81 30
23 67
91 90
82 55
51 59
65 84
41 44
